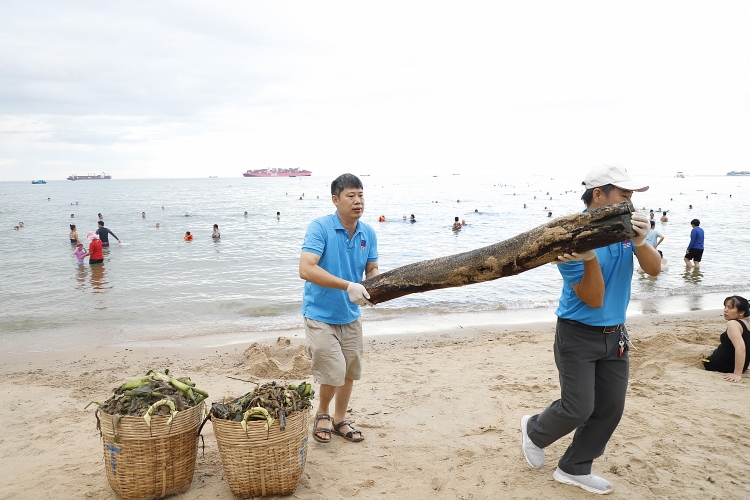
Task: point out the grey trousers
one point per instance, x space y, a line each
593 382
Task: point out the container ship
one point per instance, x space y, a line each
739 172
277 172
75 177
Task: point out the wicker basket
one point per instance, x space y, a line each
262 462
149 464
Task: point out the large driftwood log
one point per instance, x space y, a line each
573 233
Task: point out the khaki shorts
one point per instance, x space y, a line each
335 350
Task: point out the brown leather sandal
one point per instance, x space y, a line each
349 436
316 430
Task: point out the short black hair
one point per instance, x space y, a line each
72 226
653 223
588 195
695 222
345 181
456 219
216 226
101 223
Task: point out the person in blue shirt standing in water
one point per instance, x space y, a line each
591 341
695 247
338 249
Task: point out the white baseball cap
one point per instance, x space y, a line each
612 173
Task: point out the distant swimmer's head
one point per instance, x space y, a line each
695 222
187 233
157 225
216 226
245 213
455 219
16 228
72 227
72 216
664 214
348 196
101 223
609 184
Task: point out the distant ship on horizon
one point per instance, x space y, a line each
75 177
739 172
277 172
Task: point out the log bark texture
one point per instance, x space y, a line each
573 233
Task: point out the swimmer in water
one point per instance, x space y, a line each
216 234
412 218
20 224
143 215
456 224
278 215
73 235
157 225
245 213
188 236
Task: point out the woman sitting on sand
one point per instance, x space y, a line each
732 354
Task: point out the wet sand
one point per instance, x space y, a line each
439 411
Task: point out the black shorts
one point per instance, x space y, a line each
73 241
96 261
105 243
694 254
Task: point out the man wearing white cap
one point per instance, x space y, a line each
591 350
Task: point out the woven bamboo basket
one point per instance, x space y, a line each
262 462
150 464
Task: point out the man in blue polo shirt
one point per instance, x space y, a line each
338 250
591 341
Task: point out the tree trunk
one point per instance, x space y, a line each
573 233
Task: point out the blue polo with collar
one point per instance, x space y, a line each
616 262
342 257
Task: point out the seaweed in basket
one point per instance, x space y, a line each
154 394
267 402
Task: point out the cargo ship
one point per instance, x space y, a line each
75 177
278 172
739 172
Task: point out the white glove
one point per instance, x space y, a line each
641 227
358 294
575 257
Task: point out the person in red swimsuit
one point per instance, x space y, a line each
95 254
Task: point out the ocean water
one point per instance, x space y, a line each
156 287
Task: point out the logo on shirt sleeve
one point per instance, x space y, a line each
627 243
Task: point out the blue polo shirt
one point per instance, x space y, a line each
616 262
344 258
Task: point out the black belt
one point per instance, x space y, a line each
600 329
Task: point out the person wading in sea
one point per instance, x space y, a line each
338 249
104 233
591 341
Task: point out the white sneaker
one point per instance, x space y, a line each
588 482
534 455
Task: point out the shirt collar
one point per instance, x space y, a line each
338 225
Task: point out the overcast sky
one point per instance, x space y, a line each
192 89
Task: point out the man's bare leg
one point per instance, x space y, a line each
343 394
688 265
697 265
325 396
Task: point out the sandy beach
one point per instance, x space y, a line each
440 415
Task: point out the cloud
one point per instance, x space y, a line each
170 88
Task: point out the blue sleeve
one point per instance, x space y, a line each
693 236
372 256
572 272
315 239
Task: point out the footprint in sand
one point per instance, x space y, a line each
650 370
